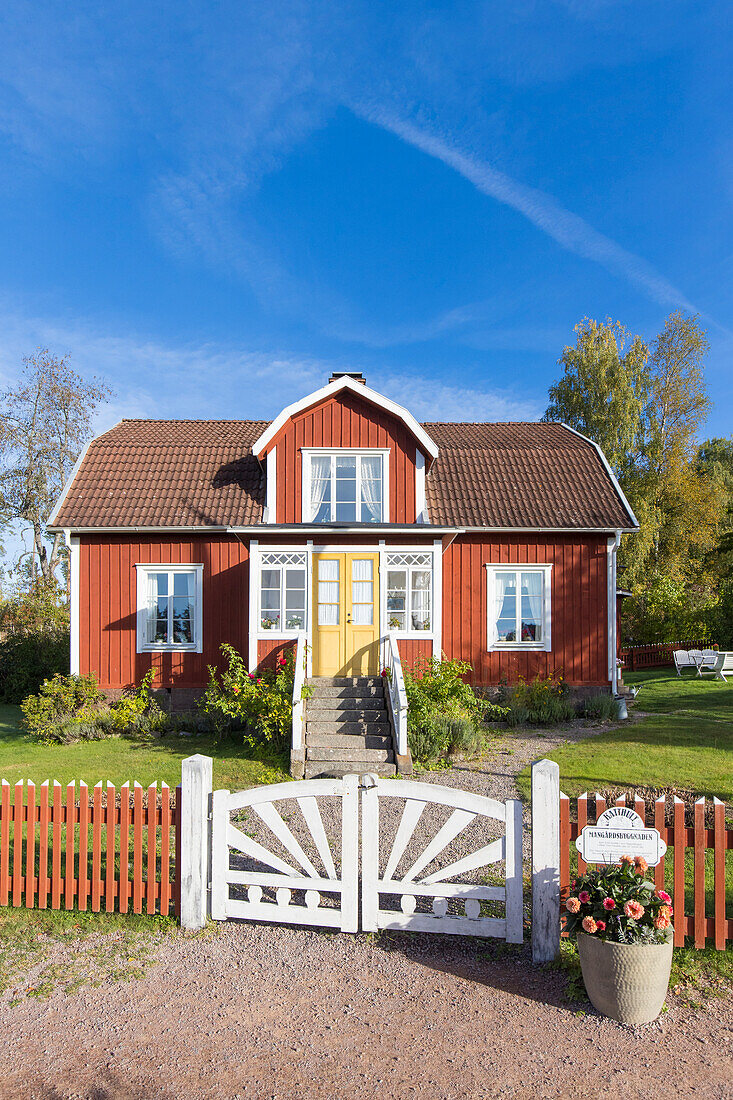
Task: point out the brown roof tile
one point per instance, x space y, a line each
191 473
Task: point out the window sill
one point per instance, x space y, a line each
538 647
174 647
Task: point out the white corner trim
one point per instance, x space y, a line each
330 390
609 471
270 515
143 568
438 599
421 510
72 475
545 645
612 635
254 580
72 541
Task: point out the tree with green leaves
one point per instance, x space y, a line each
45 420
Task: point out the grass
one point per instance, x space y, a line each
45 950
686 741
117 759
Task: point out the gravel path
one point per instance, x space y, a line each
244 1010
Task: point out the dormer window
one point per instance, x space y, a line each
345 486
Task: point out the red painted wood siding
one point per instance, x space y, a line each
579 606
345 421
108 606
414 649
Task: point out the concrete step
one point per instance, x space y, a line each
345 681
348 740
366 692
316 768
366 729
345 705
343 756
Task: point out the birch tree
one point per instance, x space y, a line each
45 420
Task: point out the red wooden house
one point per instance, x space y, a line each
347 520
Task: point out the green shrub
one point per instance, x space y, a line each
27 659
601 707
59 701
260 703
137 713
444 714
542 701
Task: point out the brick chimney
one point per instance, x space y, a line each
354 375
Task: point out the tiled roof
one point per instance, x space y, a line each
201 473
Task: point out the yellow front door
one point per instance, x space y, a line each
346 614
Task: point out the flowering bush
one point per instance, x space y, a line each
542 701
259 702
618 903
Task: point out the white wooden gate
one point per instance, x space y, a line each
453 907
269 893
291 887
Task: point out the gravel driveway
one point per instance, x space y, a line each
244 1010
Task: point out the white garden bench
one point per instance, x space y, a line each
702 660
682 659
722 667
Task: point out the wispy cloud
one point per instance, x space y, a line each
152 378
569 230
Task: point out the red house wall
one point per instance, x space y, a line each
345 421
108 606
579 606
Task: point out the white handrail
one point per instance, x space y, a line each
298 682
397 693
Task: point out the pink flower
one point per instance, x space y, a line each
589 925
572 905
601 925
252 675
664 896
609 903
584 897
634 909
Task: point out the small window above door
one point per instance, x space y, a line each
345 486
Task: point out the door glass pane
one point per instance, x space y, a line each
328 592
362 569
361 592
362 614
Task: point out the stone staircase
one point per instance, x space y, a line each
347 727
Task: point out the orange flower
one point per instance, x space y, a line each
626 860
634 909
662 922
665 911
640 865
572 905
589 925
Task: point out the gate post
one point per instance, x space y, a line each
545 861
196 787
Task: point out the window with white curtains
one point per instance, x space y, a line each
283 591
169 612
519 607
344 487
409 591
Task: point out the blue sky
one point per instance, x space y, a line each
214 205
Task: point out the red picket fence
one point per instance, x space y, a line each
706 918
129 866
656 655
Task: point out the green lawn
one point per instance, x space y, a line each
117 760
686 741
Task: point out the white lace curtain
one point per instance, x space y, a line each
371 488
532 593
502 582
320 483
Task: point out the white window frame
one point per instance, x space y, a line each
143 646
282 631
358 452
545 645
385 568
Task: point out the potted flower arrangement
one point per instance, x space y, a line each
624 931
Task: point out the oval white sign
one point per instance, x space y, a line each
620 831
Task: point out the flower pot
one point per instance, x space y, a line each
626 981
